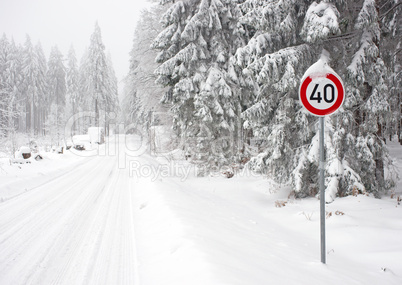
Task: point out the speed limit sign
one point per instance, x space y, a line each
322 93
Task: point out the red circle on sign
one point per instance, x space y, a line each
322 112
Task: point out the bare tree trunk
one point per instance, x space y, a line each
400 119
96 113
32 120
379 162
75 125
37 120
28 112
21 118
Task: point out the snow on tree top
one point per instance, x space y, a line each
320 22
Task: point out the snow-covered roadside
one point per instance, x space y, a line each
166 254
93 220
245 230
19 178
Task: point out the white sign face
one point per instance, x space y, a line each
322 94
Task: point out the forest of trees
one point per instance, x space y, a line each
223 77
228 73
38 96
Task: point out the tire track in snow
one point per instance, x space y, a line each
51 194
39 233
77 263
83 234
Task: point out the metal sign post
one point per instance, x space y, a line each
321 93
322 191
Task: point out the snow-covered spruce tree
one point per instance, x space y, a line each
42 89
11 86
6 87
97 73
367 97
29 70
33 85
72 85
85 99
142 96
112 107
4 92
98 84
196 44
130 106
390 16
271 65
56 78
289 36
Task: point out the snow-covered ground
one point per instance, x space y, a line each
101 219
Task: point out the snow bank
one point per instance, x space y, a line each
220 231
167 253
19 178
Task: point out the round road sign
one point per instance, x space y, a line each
322 94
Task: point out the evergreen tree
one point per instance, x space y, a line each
41 83
141 95
180 93
97 73
33 85
5 94
269 69
198 39
56 78
287 37
97 81
72 83
15 80
390 48
132 109
85 100
29 91
368 96
112 100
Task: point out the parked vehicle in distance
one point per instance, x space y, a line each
96 135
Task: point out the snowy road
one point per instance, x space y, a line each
74 229
136 219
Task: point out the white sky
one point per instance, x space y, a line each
71 22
